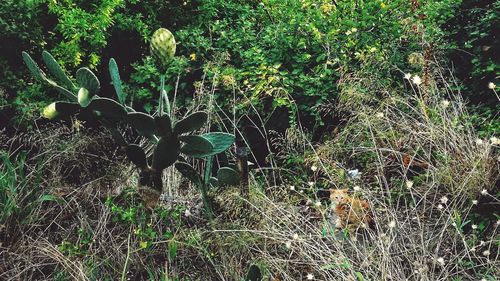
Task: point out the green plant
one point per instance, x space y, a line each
169 137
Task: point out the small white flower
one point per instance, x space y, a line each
379 115
479 141
495 141
491 85
317 204
486 253
454 224
484 192
444 199
473 249
409 184
417 80
445 103
354 30
481 243
440 207
295 236
474 202
354 173
357 188
310 276
392 224
292 187
288 244
440 260
187 213
311 184
498 222
314 168
474 226
407 76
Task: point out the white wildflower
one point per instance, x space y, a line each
357 188
292 187
288 244
407 76
491 85
474 226
310 276
486 253
498 222
392 224
484 192
481 243
379 115
417 80
444 199
187 213
317 204
440 207
354 173
479 141
295 236
495 141
409 184
314 168
440 260
445 103
311 184
474 202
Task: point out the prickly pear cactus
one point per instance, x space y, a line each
163 47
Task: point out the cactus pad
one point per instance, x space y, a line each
117 82
228 176
166 152
191 123
56 70
163 125
137 155
163 47
189 172
196 146
108 107
60 109
34 68
220 141
84 97
142 122
87 79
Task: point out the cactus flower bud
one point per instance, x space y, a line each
83 97
163 46
50 111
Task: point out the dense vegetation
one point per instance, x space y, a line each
144 176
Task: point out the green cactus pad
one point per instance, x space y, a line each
142 122
163 47
33 67
163 125
213 181
84 97
117 82
87 79
196 146
108 107
191 123
137 155
253 273
220 141
166 152
57 71
189 172
60 109
228 176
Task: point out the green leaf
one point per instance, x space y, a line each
191 123
166 152
142 122
196 146
33 67
117 82
84 97
137 155
87 79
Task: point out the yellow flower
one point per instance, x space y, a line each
382 5
192 57
143 244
